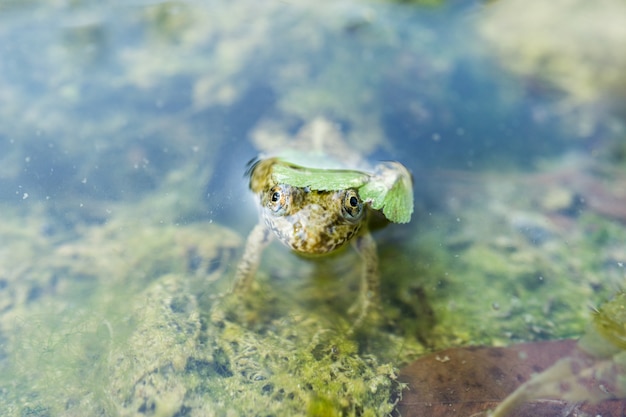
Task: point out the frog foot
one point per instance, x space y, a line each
368 313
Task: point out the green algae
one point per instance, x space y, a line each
609 321
135 322
562 38
131 316
66 312
111 286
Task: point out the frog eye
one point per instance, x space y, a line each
278 199
352 205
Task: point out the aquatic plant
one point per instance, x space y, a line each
594 371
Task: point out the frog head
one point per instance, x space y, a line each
315 211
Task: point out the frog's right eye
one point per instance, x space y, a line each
278 199
352 206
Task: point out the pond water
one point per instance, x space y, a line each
125 130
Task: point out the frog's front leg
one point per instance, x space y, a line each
257 241
369 303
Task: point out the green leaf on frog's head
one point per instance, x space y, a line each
390 189
316 178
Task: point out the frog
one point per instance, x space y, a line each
318 210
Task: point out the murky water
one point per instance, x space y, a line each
125 129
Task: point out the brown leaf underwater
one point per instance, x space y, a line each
472 381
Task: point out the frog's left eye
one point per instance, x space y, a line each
278 199
352 205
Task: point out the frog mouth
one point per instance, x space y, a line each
320 239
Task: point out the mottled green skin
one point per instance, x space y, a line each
317 222
310 222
